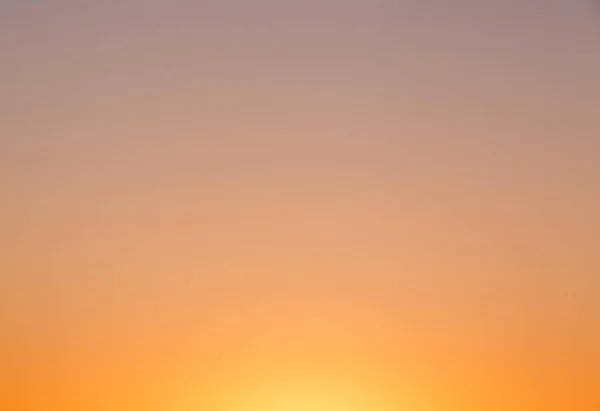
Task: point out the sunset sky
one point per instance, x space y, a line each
300 205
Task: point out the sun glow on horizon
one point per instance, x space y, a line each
301 390
309 396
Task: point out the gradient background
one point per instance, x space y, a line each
198 196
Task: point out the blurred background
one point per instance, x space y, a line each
396 200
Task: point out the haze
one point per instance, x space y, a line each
200 195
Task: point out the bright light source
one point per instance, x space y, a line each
314 395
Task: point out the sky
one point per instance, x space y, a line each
202 194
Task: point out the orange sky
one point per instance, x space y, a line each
390 197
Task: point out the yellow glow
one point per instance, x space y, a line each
296 390
321 398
